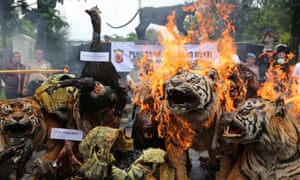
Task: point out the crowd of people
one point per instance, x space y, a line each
276 63
22 84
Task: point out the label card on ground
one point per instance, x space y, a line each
66 134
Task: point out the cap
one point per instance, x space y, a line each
281 48
251 55
268 30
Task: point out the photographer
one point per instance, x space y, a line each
268 40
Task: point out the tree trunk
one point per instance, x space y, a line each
43 24
3 10
295 26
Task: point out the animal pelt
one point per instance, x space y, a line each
25 130
103 72
96 23
13 160
19 135
63 158
60 160
270 132
86 99
243 84
145 131
109 154
195 107
106 74
145 127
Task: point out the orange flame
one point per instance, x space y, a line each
278 83
66 70
174 57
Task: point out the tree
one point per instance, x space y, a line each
129 37
255 16
295 25
152 35
51 30
9 21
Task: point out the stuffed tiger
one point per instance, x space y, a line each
270 133
21 127
20 119
195 105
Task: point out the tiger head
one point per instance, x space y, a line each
259 121
192 96
20 119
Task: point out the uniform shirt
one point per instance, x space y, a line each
38 65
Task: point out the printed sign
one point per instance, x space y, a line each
124 53
66 134
94 56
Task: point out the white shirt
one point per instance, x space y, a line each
38 65
296 74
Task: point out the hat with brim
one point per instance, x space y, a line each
252 55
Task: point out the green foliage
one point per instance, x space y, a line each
57 42
255 16
151 35
9 22
27 28
251 18
129 37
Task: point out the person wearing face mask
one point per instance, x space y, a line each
14 81
282 57
279 70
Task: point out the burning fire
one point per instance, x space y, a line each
66 70
174 57
279 84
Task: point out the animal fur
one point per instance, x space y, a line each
103 72
270 132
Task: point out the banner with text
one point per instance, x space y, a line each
124 53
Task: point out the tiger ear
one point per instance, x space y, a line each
213 74
280 107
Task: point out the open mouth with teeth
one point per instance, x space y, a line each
182 98
232 131
18 130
